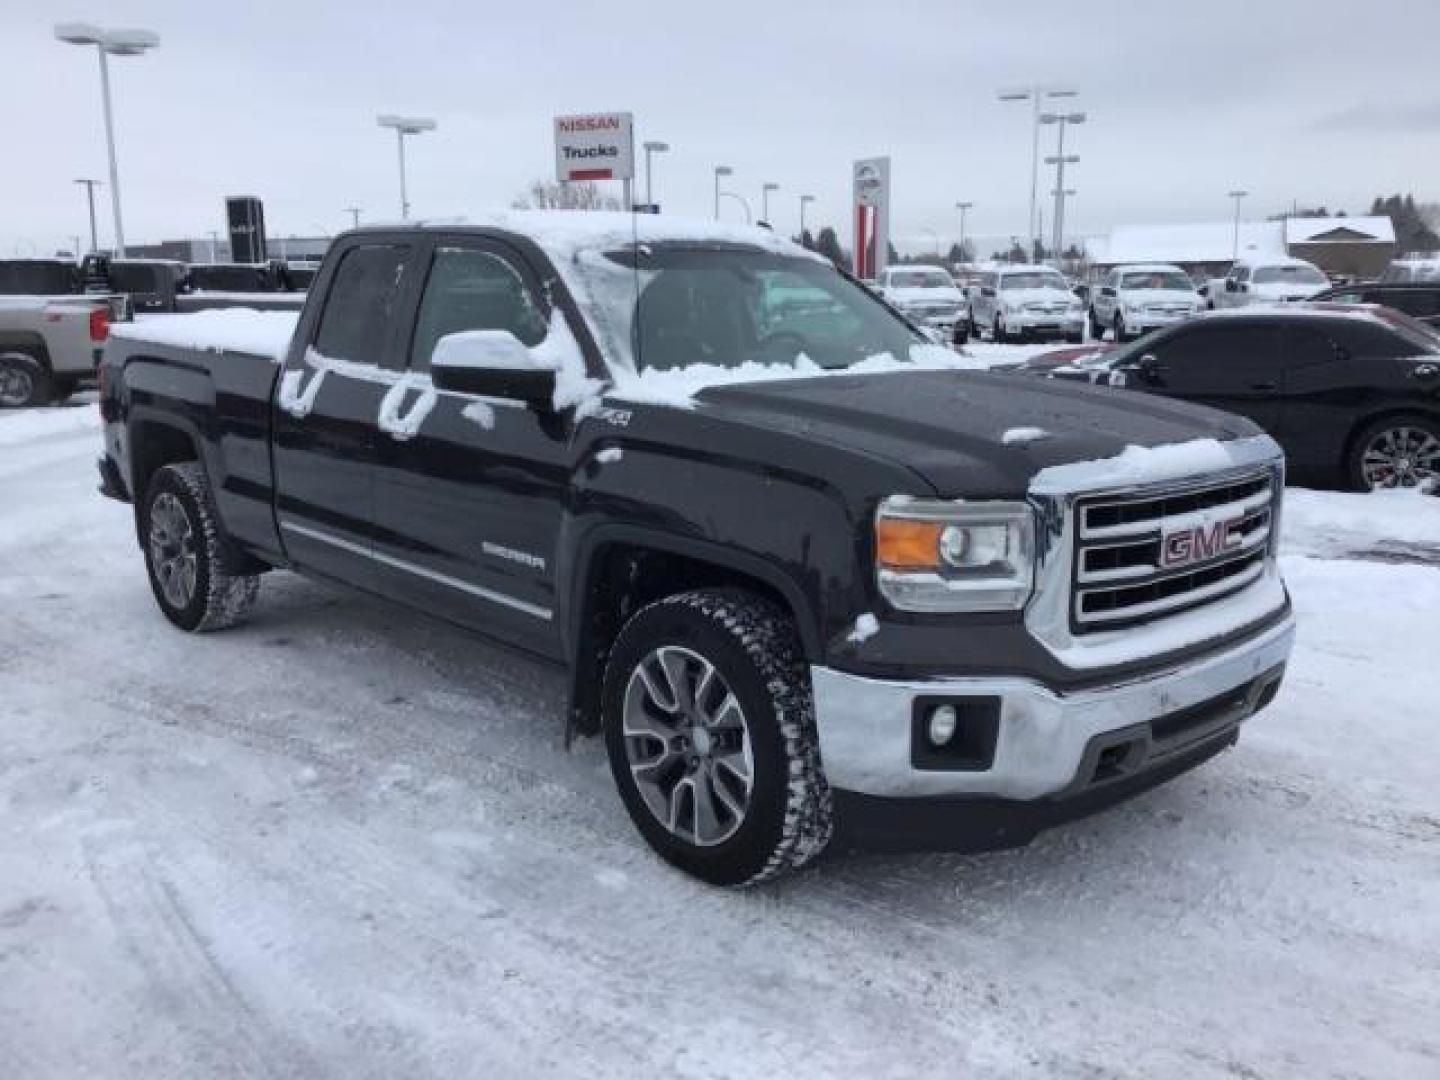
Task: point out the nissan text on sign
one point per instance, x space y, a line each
595 146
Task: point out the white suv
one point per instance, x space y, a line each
1133 299
929 296
1274 280
1018 301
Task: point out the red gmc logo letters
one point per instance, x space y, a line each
1196 543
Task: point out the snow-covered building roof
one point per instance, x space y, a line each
1329 230
1191 242
1214 241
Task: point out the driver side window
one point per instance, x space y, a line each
473 289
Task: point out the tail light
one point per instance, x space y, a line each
99 323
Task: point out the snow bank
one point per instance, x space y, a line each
261 333
1330 523
1149 464
18 428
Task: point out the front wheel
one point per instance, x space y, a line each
196 578
961 333
1097 332
711 737
1396 452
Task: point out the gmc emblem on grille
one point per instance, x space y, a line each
1196 543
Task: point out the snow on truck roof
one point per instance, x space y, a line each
562 233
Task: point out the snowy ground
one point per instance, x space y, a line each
344 841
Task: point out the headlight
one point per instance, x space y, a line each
932 555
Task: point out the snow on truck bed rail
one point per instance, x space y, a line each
262 333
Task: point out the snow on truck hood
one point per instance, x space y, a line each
939 293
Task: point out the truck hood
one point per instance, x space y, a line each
1286 291
1141 297
949 427
1020 297
925 296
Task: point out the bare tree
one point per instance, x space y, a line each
575 195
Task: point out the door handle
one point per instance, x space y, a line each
1264 387
394 420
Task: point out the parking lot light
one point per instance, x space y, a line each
765 190
1035 95
405 125
652 147
132 42
720 170
1237 195
1060 160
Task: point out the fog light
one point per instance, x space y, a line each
943 721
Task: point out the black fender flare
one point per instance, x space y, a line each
577 591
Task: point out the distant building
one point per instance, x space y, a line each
300 248
1354 246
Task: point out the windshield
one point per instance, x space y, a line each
1289 275
1038 279
733 306
1172 280
921 279
38 278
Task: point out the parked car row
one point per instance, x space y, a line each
1351 392
161 285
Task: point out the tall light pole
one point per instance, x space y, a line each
963 207
109 43
1237 195
1035 95
720 170
1060 160
354 212
90 186
652 148
214 246
765 190
803 200
744 205
405 125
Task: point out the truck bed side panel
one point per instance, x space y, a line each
222 401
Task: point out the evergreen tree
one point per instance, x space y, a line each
828 244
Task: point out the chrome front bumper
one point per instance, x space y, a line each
866 725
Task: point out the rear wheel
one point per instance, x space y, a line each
195 576
1396 452
711 737
24 382
1096 330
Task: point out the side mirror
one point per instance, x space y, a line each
1148 368
492 363
1108 290
1231 285
987 291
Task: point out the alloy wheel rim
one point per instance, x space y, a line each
687 743
16 386
1401 456
172 550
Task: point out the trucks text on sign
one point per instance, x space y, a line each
595 146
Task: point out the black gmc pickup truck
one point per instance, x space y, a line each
806 573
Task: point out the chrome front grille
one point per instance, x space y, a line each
1142 557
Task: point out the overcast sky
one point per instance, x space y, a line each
1316 101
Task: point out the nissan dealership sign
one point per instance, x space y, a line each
596 146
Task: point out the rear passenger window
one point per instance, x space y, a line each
359 311
473 289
